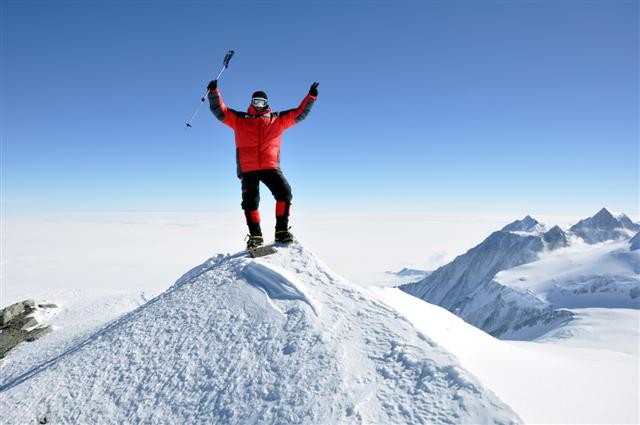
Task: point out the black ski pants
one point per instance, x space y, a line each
281 191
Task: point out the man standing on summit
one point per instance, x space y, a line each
258 133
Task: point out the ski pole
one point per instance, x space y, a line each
225 65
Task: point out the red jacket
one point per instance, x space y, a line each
258 134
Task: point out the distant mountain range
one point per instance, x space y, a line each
410 272
604 227
468 286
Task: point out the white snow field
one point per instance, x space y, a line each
581 275
586 374
145 251
279 339
98 268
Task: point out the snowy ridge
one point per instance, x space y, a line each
586 372
527 225
466 287
410 272
479 287
237 340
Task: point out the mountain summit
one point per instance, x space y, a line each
604 226
527 224
280 339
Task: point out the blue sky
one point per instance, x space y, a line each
449 106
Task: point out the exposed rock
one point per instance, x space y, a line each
23 322
14 310
48 305
16 321
9 338
635 242
38 333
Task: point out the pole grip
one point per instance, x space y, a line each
227 58
225 65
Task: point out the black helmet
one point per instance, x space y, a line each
259 94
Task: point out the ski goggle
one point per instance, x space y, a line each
259 102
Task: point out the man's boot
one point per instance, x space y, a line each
254 241
284 236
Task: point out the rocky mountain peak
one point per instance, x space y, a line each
527 224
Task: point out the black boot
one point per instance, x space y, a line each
284 236
254 241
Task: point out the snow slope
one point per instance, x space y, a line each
466 286
587 374
600 275
611 329
238 340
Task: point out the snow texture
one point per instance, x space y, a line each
602 275
237 340
607 329
586 372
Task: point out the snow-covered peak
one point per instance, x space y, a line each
465 286
627 223
555 238
604 217
603 227
411 272
526 225
279 339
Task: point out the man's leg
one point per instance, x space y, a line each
251 201
279 187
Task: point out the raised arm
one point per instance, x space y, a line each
292 117
217 106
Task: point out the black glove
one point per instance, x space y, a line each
212 85
313 91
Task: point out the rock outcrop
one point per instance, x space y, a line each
17 325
